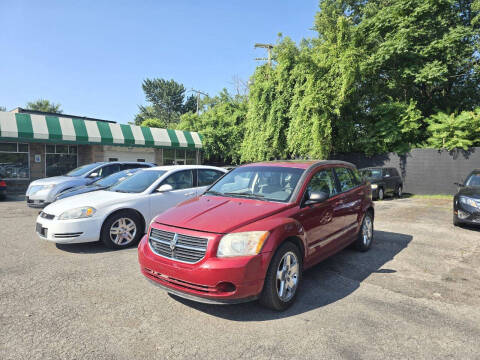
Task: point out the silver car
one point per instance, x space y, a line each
42 192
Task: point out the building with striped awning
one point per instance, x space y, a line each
36 144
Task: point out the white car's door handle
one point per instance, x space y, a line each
189 194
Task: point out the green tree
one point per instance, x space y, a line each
3 108
45 106
190 104
154 123
416 52
269 103
371 81
455 130
221 125
166 100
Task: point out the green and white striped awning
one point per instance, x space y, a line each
40 128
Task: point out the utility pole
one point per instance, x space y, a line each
198 92
269 48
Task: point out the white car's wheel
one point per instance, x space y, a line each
122 229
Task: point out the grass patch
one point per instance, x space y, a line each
436 196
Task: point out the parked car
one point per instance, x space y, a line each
43 191
119 215
383 181
3 189
100 184
256 229
466 203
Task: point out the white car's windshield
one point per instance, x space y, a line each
139 182
82 170
262 182
115 178
473 180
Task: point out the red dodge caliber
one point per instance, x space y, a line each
254 231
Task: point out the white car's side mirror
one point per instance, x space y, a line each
165 188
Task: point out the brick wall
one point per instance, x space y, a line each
85 154
97 152
37 170
159 157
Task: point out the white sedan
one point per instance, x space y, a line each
120 215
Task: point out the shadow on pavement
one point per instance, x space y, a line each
469 227
88 248
325 283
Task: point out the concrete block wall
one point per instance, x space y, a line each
424 171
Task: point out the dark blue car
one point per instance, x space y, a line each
98 185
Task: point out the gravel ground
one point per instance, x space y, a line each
415 294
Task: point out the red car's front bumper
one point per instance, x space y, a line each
212 279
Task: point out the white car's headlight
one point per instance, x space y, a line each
79 213
468 201
374 186
242 243
49 186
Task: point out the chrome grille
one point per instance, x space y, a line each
189 249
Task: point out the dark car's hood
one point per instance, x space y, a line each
79 190
219 214
374 180
473 192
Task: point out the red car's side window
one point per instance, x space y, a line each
323 181
345 178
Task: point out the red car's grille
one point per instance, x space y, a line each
180 247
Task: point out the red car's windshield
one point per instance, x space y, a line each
264 182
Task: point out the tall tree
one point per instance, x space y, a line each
166 100
45 106
270 97
221 125
416 52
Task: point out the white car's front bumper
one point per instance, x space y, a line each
69 231
37 196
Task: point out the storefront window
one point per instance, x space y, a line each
191 157
60 159
168 157
14 161
180 157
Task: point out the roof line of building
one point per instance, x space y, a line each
36 112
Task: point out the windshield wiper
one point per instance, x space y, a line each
214 192
121 191
245 194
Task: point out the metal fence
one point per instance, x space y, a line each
424 171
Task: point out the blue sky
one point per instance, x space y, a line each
91 56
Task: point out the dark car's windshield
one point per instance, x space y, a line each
115 178
371 173
82 170
263 182
473 180
138 182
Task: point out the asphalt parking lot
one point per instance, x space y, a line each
416 294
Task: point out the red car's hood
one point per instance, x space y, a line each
218 214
